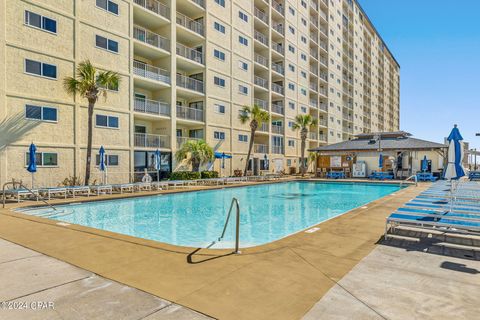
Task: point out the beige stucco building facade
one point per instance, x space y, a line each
187 67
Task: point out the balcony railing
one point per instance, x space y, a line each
313 135
277 6
190 24
323 106
314 87
278 108
322 122
323 91
314 70
261 103
322 137
151 107
151 38
190 113
277 88
261 60
189 53
277 149
190 83
279 28
145 140
260 148
201 3
155 7
278 48
261 82
151 72
182 140
277 129
261 37
261 15
313 104
277 67
263 127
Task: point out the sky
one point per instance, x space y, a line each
437 44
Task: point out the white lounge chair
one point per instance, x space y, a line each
123 187
142 186
18 194
82 190
103 189
49 192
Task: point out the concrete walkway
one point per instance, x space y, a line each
39 287
405 283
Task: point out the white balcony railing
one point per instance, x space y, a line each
151 72
277 88
261 103
190 24
261 60
151 107
260 37
190 53
259 81
277 6
278 47
151 38
260 148
278 108
263 127
277 149
155 7
190 113
190 83
277 67
262 15
277 129
144 140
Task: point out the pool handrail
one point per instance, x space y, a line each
237 227
21 185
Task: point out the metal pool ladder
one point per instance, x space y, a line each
21 185
237 227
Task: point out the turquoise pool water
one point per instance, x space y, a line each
268 212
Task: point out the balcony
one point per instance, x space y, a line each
313 136
262 104
261 15
182 140
260 148
190 24
151 73
322 122
277 88
313 86
277 67
277 107
277 129
153 107
323 107
144 140
150 42
151 9
260 37
323 91
261 60
190 83
279 28
263 127
278 47
277 150
261 82
190 53
313 104
190 113
200 3
278 7
322 137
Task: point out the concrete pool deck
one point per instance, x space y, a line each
281 280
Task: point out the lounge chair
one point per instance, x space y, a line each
160 185
176 183
123 187
103 189
18 194
426 176
82 190
142 186
49 192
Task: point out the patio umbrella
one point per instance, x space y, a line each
455 169
102 166
158 163
266 165
380 162
222 156
32 161
424 164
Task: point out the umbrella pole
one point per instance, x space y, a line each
158 175
33 178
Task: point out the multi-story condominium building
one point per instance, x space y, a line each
187 67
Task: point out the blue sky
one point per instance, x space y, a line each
437 44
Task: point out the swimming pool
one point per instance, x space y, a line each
195 219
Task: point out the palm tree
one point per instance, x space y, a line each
198 150
302 123
89 83
256 117
313 158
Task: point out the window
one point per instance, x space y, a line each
292 11
291 143
40 22
303 56
291 49
110 160
290 124
243 40
218 135
218 108
242 15
303 39
40 113
43 159
292 29
291 105
291 86
242 89
108 5
219 54
106 121
220 2
303 91
243 65
40 69
107 44
243 138
291 67
304 109
303 74
219 27
219 81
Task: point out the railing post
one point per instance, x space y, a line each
237 229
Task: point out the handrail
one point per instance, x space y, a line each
20 184
414 178
237 228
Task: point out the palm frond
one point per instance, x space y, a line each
71 86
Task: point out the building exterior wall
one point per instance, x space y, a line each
322 58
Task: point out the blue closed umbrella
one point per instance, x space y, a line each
455 169
222 156
424 164
32 160
102 166
158 164
380 161
265 159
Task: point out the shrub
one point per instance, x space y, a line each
209 174
72 181
237 173
185 175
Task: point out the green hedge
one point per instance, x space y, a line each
209 174
185 175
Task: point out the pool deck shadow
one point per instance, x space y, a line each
280 280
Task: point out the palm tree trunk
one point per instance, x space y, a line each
195 165
250 147
302 168
91 105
